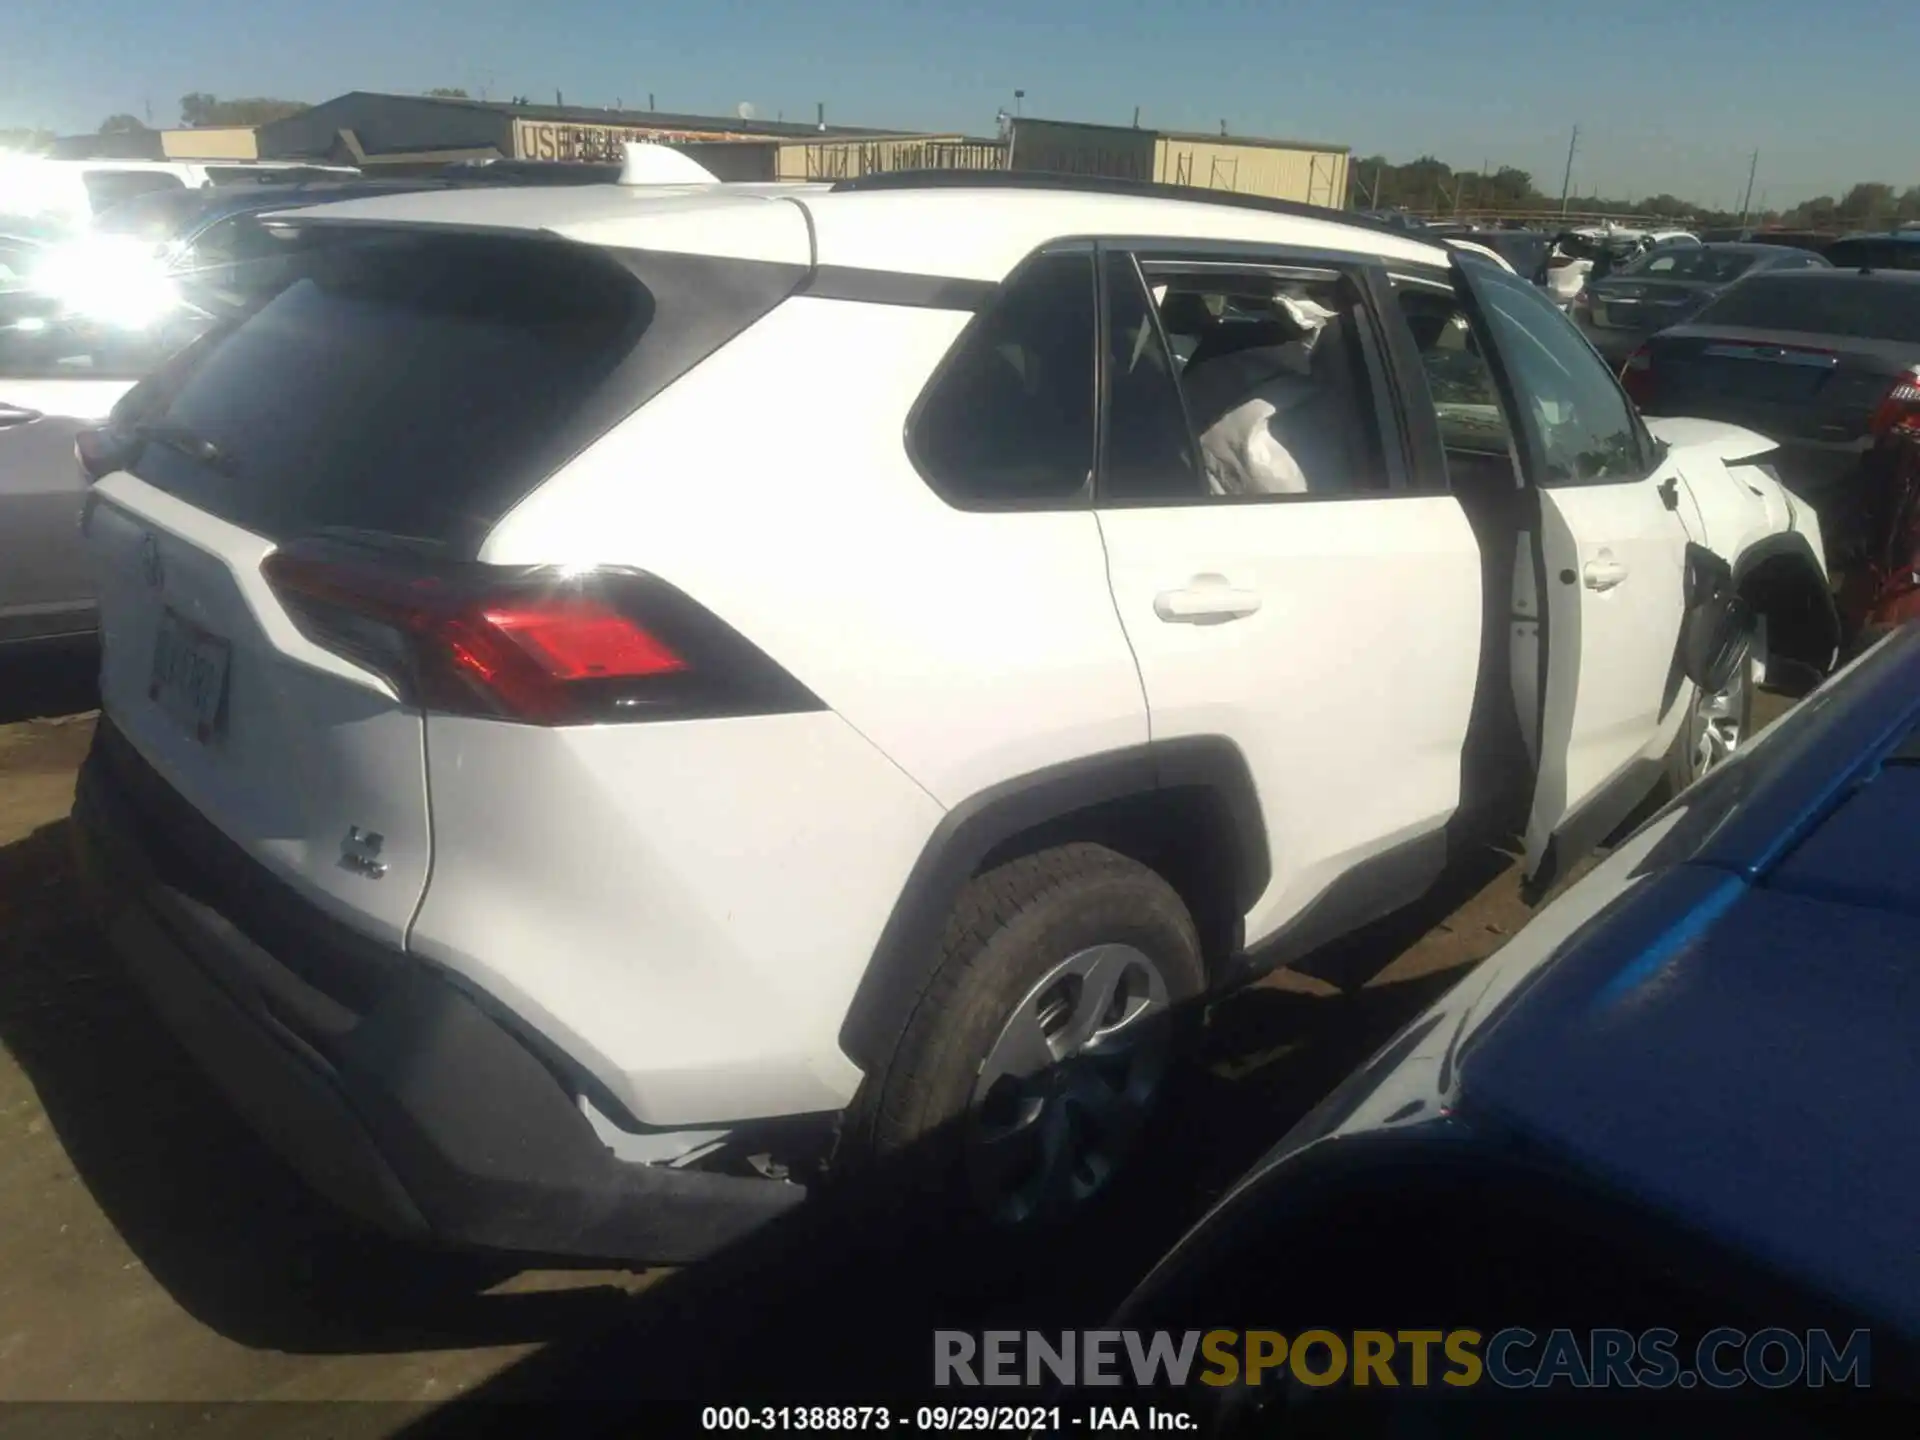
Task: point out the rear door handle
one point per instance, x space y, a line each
1604 573
11 415
1208 600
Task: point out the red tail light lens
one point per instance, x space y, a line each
535 646
1636 376
1901 407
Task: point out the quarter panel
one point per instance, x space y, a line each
970 647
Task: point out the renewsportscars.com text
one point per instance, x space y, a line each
1514 1358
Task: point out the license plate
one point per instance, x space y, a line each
189 678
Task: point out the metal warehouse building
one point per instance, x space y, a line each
1281 169
399 133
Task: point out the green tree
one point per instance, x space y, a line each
200 108
448 92
1867 201
121 125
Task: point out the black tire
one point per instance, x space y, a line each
1009 928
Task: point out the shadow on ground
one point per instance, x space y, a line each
61 681
229 1232
818 1305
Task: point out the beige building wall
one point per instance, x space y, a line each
1316 177
214 142
851 158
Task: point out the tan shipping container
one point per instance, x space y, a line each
1314 176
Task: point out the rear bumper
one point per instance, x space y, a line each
395 1095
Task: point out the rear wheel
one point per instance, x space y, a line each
1032 1067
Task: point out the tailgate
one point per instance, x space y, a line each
309 765
408 388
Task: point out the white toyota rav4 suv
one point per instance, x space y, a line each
623 703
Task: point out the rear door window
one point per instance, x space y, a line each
416 385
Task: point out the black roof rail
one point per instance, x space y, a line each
1111 185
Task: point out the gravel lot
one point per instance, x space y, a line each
152 1250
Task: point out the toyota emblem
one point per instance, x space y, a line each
150 562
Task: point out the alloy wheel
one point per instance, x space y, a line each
1068 1084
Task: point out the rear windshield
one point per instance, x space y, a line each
415 385
1690 262
1875 252
158 215
108 188
1824 305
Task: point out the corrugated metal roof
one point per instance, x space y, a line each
639 119
1261 141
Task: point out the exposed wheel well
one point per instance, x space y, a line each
1185 834
1785 589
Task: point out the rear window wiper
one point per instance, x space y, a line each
184 441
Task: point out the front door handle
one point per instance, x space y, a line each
1208 600
11 415
1604 573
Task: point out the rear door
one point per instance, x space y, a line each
1329 628
1612 572
400 396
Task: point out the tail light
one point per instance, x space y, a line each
1636 376
1901 406
535 646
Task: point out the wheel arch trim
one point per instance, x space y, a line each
904 958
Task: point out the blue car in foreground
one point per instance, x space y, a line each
1664 1144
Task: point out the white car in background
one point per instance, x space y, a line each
1571 264
557 828
72 192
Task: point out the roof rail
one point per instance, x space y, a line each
1112 185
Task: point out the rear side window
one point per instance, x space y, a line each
415 385
1875 254
1009 418
1821 305
108 188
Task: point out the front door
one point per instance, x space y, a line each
1282 584
1611 572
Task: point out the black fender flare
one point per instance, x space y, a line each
903 960
1792 545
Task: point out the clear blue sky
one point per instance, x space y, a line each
1669 94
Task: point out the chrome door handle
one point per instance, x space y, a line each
1604 573
1209 600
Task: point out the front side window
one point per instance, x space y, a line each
1586 427
1009 419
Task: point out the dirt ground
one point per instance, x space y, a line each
150 1249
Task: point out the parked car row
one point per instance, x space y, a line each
1050 702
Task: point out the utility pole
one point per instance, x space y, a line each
1566 183
1747 203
